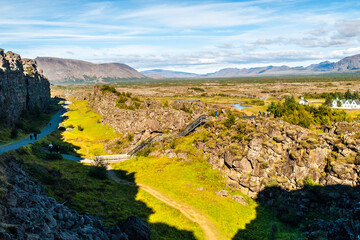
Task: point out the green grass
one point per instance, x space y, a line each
164 220
92 135
105 198
181 179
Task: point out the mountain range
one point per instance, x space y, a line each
348 64
61 71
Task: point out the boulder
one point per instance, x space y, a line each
239 199
136 229
222 193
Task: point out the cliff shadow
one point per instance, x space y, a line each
72 184
313 212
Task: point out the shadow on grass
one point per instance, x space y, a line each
314 212
55 138
70 182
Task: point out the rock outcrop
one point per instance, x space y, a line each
337 210
28 213
263 152
150 117
22 87
259 153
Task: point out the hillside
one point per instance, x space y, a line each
76 71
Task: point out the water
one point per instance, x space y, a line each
238 106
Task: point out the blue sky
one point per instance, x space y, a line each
193 36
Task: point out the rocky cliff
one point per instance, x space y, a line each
259 153
22 87
151 116
266 152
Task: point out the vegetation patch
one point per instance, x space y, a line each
69 183
306 116
91 135
195 183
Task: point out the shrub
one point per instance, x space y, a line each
305 116
30 72
98 172
107 88
14 133
197 89
144 153
309 182
54 156
186 109
121 100
130 137
165 104
136 99
80 128
230 121
137 105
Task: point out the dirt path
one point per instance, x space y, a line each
209 228
49 128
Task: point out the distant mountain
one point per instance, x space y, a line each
75 71
234 72
348 64
59 70
155 73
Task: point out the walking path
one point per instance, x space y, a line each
55 121
192 214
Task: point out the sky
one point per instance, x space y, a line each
190 36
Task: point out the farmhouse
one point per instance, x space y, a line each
346 104
303 101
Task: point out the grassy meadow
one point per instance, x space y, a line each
105 198
85 130
195 183
192 182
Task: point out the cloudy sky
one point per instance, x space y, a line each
186 35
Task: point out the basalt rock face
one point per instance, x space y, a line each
22 87
28 213
150 118
274 153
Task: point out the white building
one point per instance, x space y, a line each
303 101
345 104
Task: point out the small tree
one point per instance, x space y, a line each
98 170
339 104
230 120
348 94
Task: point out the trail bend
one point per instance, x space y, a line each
209 228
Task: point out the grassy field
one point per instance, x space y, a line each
111 201
195 183
85 130
165 222
180 180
